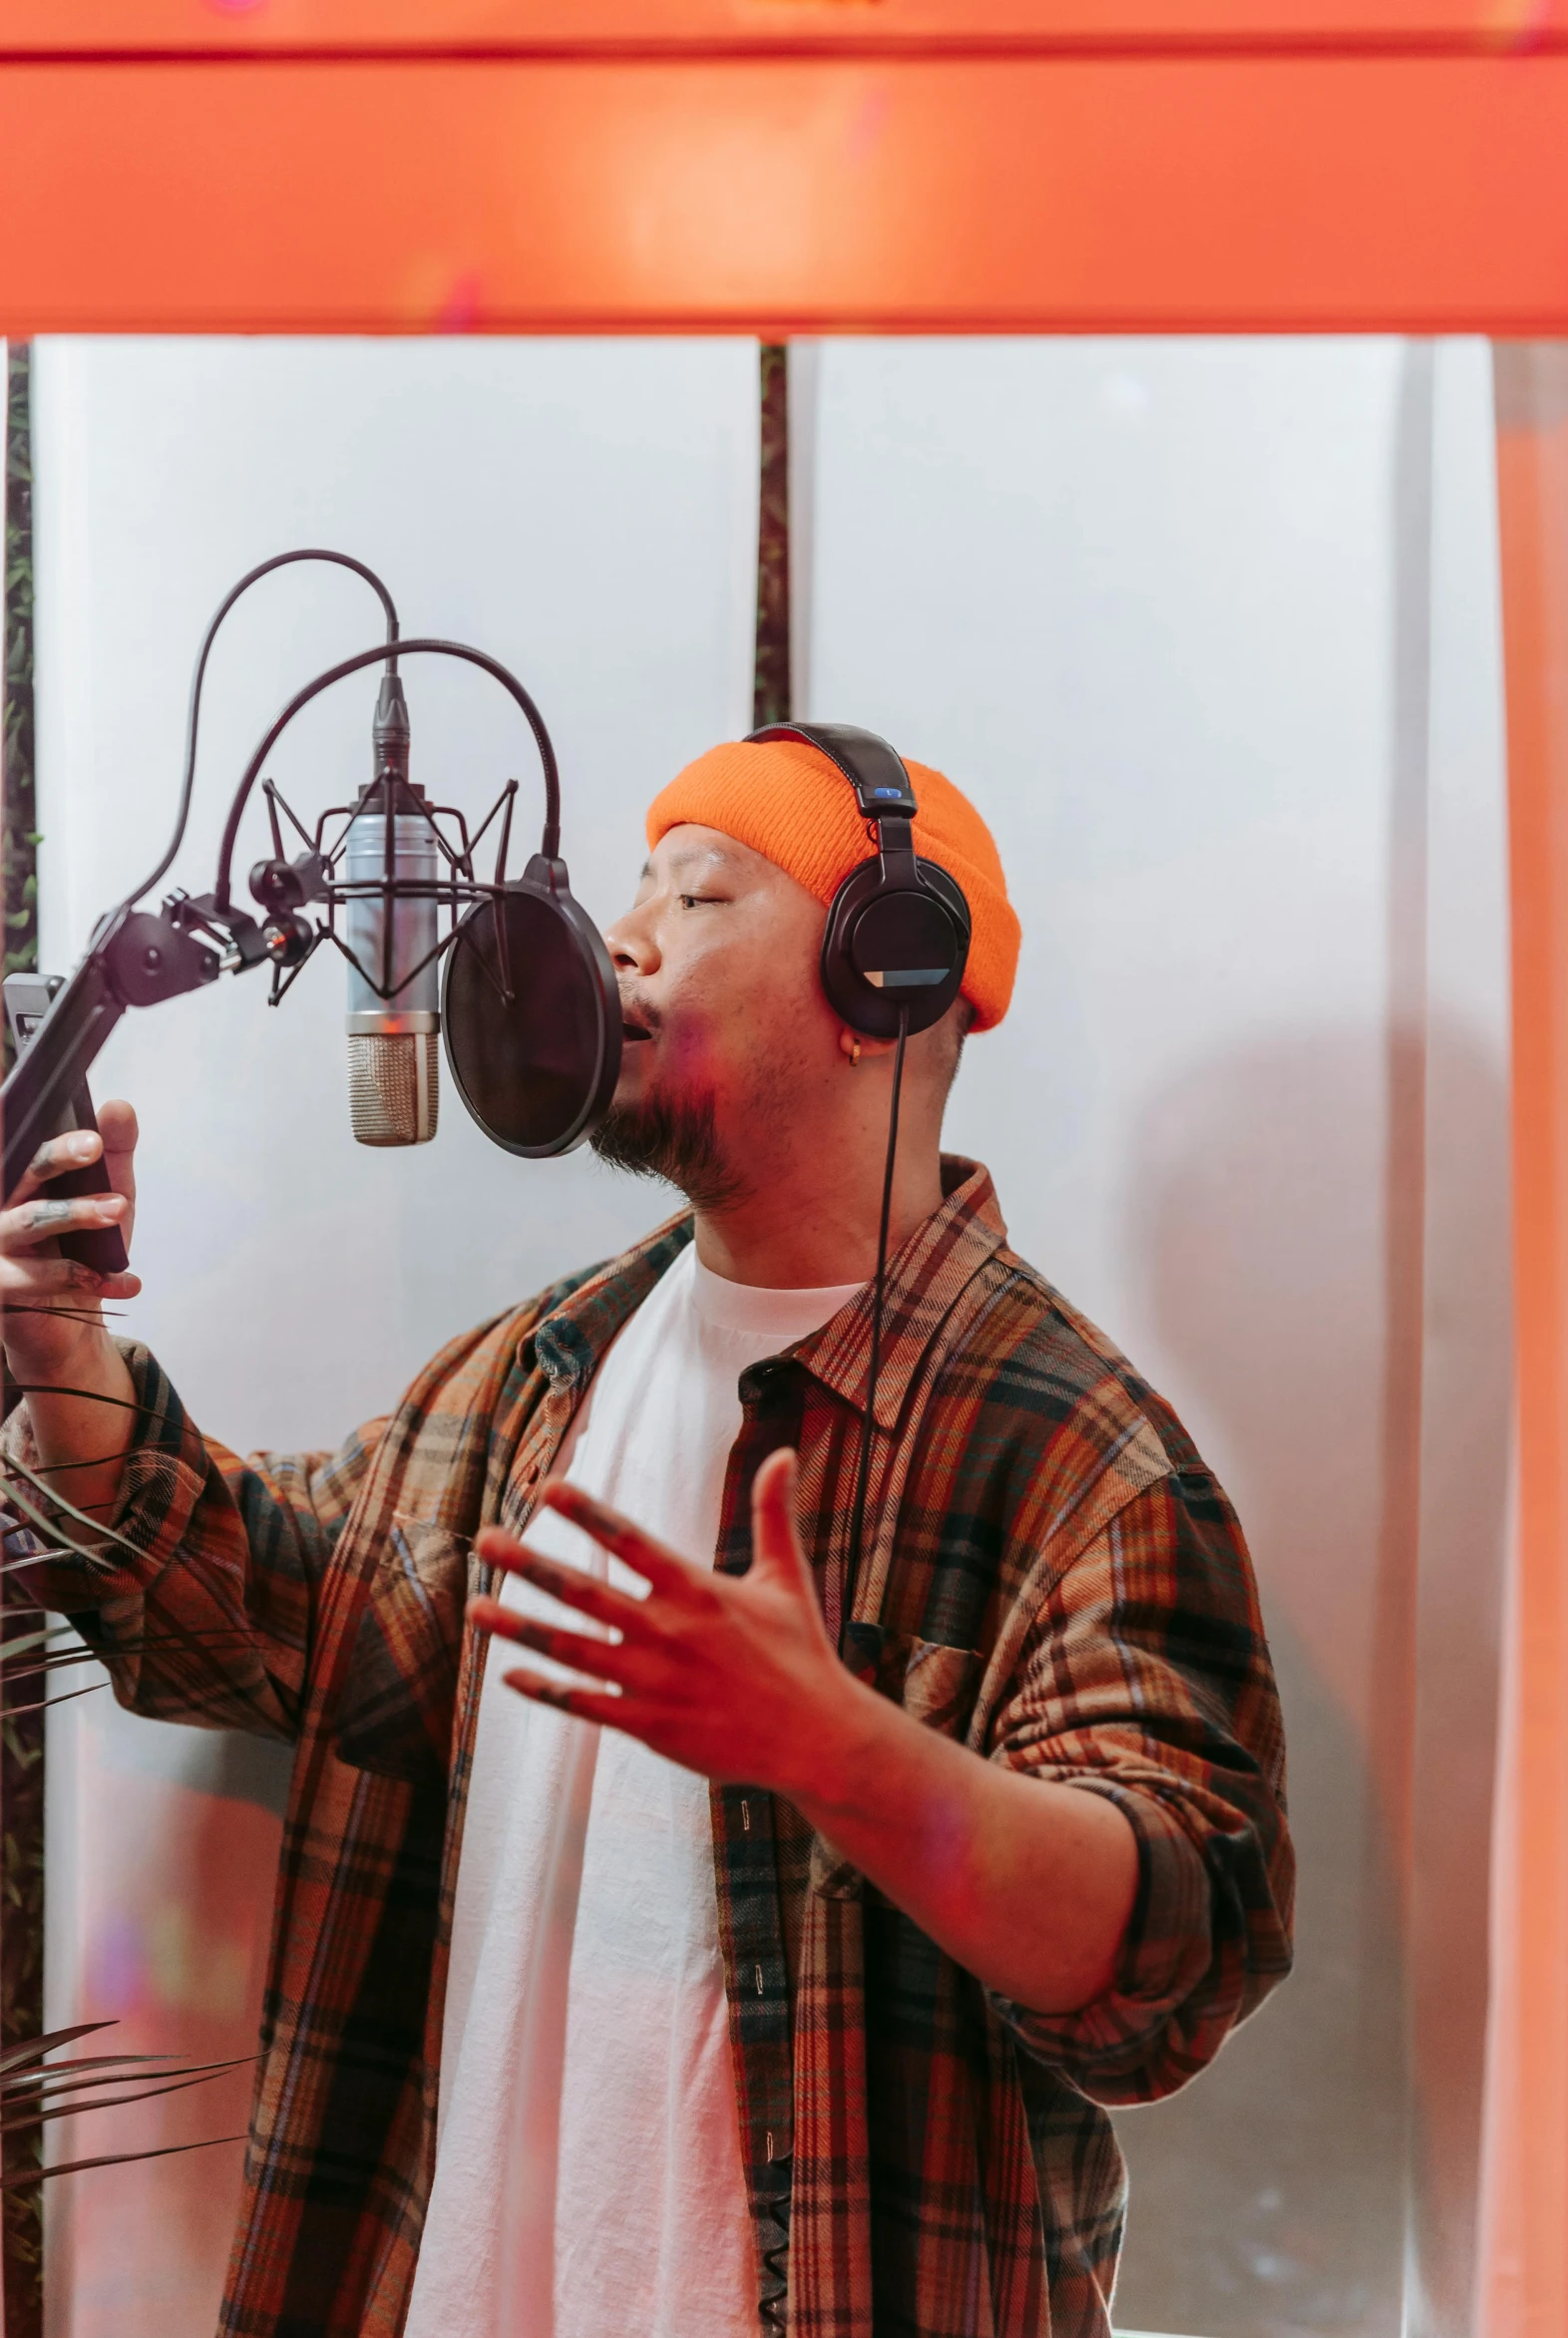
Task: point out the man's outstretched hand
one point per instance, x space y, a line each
732 1676
1026 1882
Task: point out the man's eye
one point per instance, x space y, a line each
689 900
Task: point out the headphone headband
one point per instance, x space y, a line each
874 769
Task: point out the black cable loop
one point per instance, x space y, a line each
281 560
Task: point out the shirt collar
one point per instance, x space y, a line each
573 1335
925 1276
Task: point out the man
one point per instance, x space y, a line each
789 1992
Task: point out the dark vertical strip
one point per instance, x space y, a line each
770 698
21 1738
21 881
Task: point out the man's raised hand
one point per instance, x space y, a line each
1026 1882
731 1676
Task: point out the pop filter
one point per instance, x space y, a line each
532 1016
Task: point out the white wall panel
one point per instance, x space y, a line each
586 511
1210 630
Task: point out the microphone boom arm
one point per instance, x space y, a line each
135 959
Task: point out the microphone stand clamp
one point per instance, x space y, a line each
137 958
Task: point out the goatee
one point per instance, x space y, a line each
678 1142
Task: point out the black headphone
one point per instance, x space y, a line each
894 951
897 939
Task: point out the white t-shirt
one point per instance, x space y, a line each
587 2102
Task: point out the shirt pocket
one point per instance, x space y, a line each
937 1685
941 1685
396 1710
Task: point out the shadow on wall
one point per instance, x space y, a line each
1267 1210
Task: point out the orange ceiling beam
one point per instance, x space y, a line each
527 27
1156 193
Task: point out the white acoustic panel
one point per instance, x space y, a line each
1210 630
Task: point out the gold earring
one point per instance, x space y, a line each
855 1054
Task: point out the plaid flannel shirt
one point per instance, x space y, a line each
1054 1578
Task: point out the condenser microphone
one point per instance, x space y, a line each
394 979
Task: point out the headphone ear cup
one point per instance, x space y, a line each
530 1012
873 926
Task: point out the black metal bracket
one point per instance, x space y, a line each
136 958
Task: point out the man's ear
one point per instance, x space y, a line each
855 1045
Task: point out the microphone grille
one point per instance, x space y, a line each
393 1086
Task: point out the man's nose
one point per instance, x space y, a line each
630 944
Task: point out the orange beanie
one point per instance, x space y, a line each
789 802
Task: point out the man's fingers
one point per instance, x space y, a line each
117 1125
52 1159
775 1535
595 1660
43 1219
24 1277
71 1304
115 1140
581 1704
568 1584
665 1569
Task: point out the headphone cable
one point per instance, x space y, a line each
868 1422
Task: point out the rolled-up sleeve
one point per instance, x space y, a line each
1145 1678
201 1600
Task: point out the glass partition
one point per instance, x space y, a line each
1211 630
